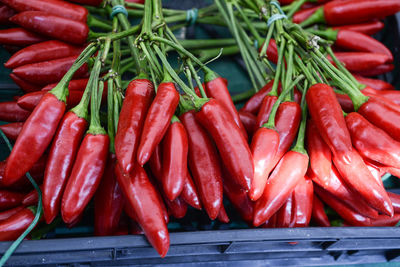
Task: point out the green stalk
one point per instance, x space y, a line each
274 90
110 114
197 79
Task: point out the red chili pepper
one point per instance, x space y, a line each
204 164
249 122
85 175
265 109
264 147
177 208
216 87
8 213
285 214
157 120
384 220
142 196
374 83
53 26
24 85
318 214
296 94
15 225
19 37
304 14
12 130
75 222
10 199
382 69
231 144
11 112
361 61
55 7
369 28
320 155
254 103
31 198
389 95
222 215
395 198
30 145
286 175
46 72
302 202
40 52
74 85
31 100
132 116
189 193
5 13
108 201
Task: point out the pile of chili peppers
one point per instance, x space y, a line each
314 131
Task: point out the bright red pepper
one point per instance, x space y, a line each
254 103
265 109
285 214
74 85
132 116
10 199
40 52
249 122
361 61
381 69
304 14
232 145
318 214
53 26
12 130
8 213
286 175
19 37
30 145
85 175
374 83
302 202
31 100
5 13
204 165
389 95
55 7
15 225
46 72
108 201
222 215
369 28
11 112
189 193
142 196
24 85
157 120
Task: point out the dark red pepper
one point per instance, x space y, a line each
222 215
31 198
8 213
31 100
5 13
374 83
19 37
189 193
74 85
369 28
285 214
10 199
265 109
27 87
381 69
395 198
11 112
254 103
249 122
12 227
302 202
177 208
318 214
12 130
361 61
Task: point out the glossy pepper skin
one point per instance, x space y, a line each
61 160
304 14
26 86
12 227
8 213
253 104
374 83
19 37
43 73
85 176
30 145
177 208
361 61
10 199
175 151
157 120
189 193
265 110
318 214
108 201
216 87
59 8
11 112
369 28
232 145
40 52
388 95
74 85
142 196
132 116
249 122
53 26
12 130
302 202
284 215
204 164
286 175
264 147
31 100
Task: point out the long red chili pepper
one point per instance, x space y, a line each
318 214
132 116
381 69
31 100
189 193
302 202
204 164
27 87
5 13
253 104
304 14
46 72
222 215
142 196
361 61
249 122
231 143
265 109
59 8
369 28
12 130
31 198
74 85
374 83
389 95
40 52
8 213
157 120
11 112
384 220
9 199
285 214
16 224
19 37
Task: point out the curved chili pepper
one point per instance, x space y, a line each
30 145
384 220
249 122
46 72
40 52
53 26
175 151
10 199
11 112
222 215
12 227
374 83
24 85
31 100
369 28
361 61
59 8
290 169
204 164
131 119
31 198
372 142
378 70
5 13
320 155
12 130
318 214
395 198
108 201
85 175
142 196
157 120
264 147
189 193
231 144
74 85
19 37
253 104
8 213
217 88
304 14
265 109
302 202
285 213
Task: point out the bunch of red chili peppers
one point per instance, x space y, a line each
169 140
